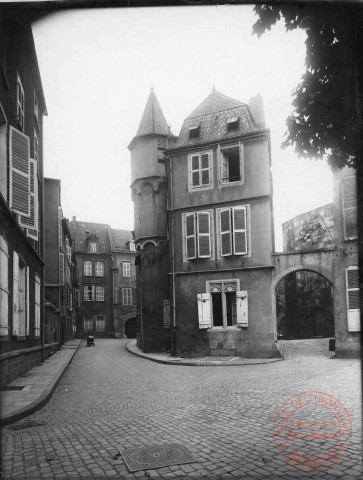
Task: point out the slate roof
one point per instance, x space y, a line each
120 239
98 229
212 116
153 120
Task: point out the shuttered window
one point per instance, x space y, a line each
350 207
37 306
31 222
19 172
4 287
197 228
232 224
352 286
15 330
190 237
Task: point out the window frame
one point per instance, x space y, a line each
126 269
37 305
233 231
126 296
353 314
197 235
90 290
224 148
87 268
99 293
100 269
92 247
200 186
4 287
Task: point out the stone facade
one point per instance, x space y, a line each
310 230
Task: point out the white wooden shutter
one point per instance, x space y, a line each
4 288
242 308
32 221
239 230
204 310
225 232
204 234
352 284
350 207
19 151
15 293
190 237
166 313
27 300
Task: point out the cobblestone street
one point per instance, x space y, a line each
109 400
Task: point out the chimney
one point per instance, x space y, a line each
256 108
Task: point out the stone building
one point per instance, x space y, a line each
204 230
22 106
61 280
104 259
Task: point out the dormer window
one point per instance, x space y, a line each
132 246
232 123
194 132
93 247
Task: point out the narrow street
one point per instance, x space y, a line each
109 400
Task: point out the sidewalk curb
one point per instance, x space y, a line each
188 363
41 400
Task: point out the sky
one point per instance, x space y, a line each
98 66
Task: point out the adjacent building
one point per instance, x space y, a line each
104 259
204 230
61 280
22 106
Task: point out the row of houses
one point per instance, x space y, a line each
58 278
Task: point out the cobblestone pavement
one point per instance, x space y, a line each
109 400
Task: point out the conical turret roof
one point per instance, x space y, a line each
153 120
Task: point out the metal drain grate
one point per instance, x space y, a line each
10 388
144 458
24 425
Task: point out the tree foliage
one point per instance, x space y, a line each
324 120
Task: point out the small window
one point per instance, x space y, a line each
194 132
126 269
232 123
100 294
20 104
100 269
127 296
132 246
88 323
88 293
230 164
200 174
93 247
100 322
87 268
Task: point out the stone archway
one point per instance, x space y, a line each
303 303
130 327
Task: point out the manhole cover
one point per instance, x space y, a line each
143 458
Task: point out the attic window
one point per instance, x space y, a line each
232 123
194 132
